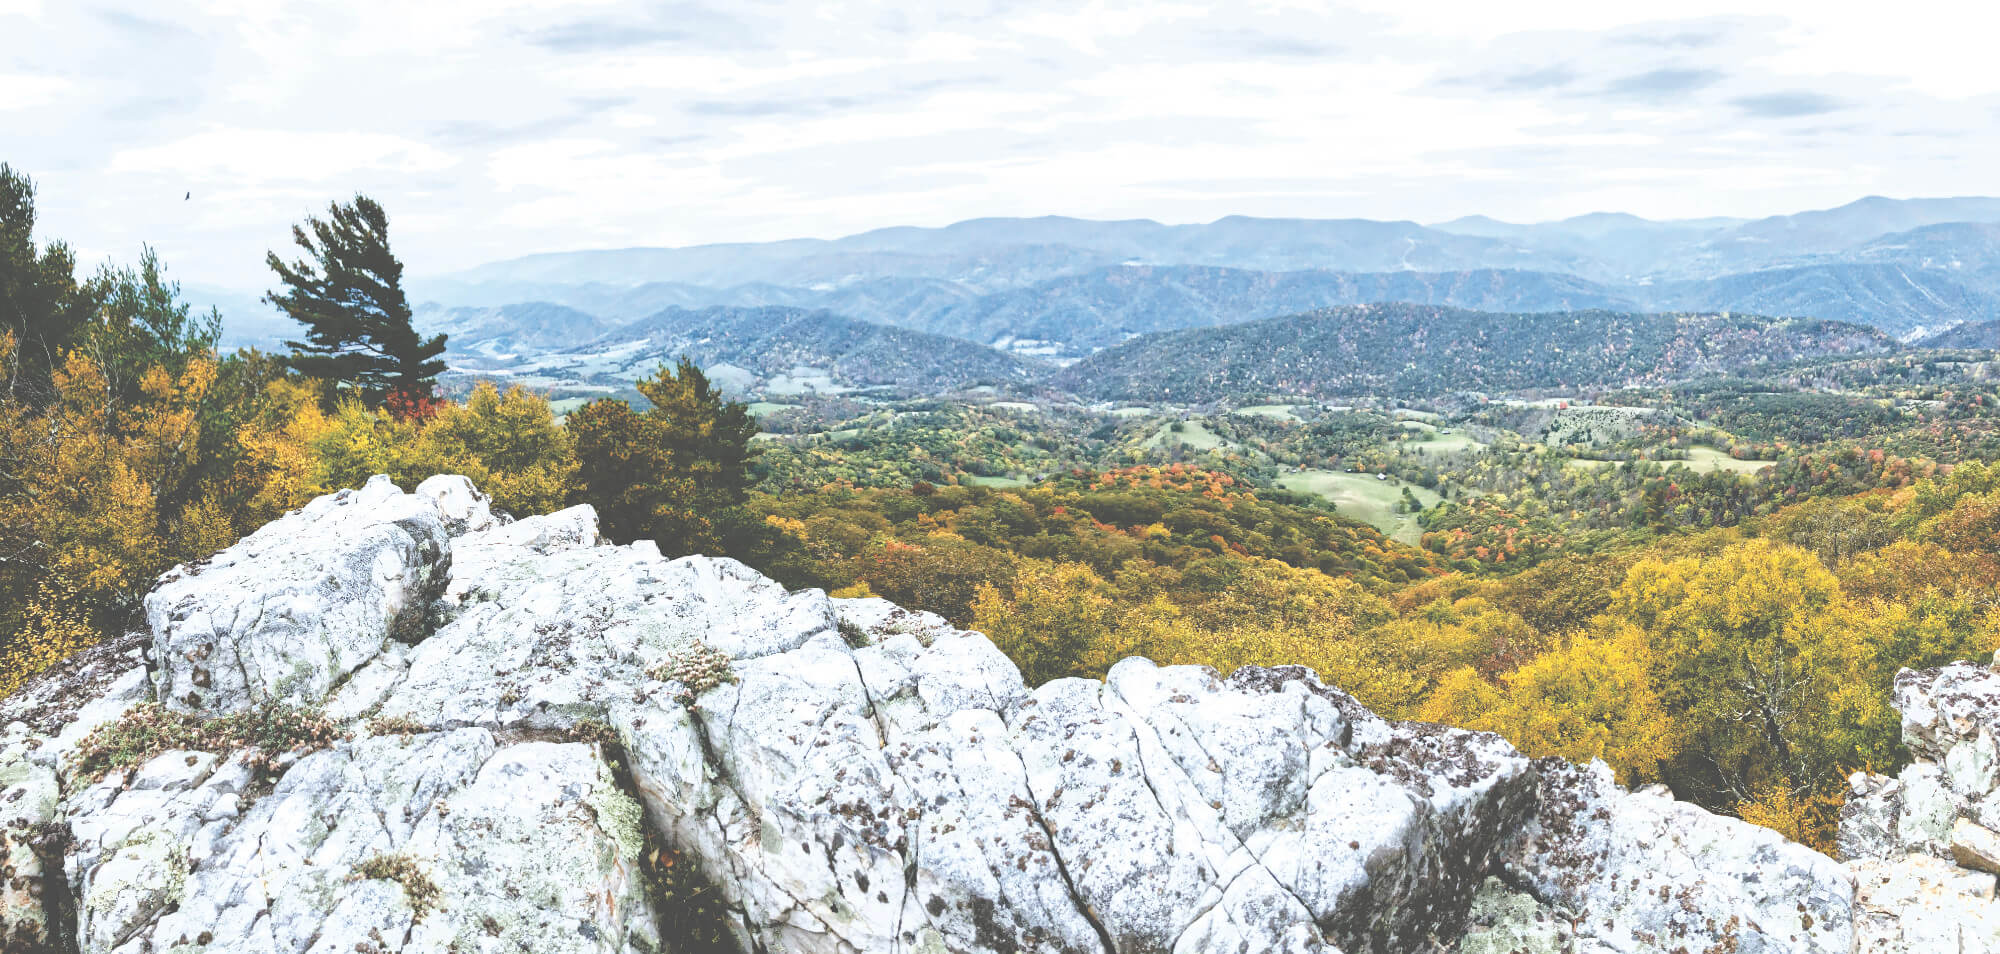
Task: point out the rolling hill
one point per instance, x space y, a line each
504 332
1076 315
1976 335
1965 252
1905 302
1412 351
771 349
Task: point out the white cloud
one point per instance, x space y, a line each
497 127
267 155
27 92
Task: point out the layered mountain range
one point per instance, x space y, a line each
1055 290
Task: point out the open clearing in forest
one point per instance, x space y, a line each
1701 460
1436 440
1192 435
1708 460
1282 412
979 480
1362 497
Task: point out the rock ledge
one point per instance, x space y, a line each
521 769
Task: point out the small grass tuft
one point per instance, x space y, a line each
150 729
396 725
855 636
418 888
697 668
592 731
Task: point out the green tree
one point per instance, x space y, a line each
41 304
677 473
348 292
141 323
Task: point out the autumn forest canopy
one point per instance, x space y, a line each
1707 575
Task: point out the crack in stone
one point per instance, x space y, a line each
1062 867
1129 711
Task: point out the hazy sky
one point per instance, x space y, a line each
500 127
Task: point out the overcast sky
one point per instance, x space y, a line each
493 128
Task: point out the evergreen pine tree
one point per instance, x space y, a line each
42 306
348 292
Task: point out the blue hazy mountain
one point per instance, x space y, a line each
1064 287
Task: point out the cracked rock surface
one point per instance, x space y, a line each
529 714
1924 845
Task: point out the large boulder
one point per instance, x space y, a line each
30 797
388 844
291 610
40 726
1644 872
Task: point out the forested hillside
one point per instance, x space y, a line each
1412 351
1104 307
778 349
1899 300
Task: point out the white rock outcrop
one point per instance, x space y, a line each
288 612
1924 846
537 726
1625 872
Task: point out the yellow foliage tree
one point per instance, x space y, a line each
1590 699
509 444
284 470
102 487
357 443
1765 664
52 628
1811 817
1052 623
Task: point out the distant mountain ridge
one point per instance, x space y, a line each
1002 252
1063 288
1393 349
1071 316
1103 307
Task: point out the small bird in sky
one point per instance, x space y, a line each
187 197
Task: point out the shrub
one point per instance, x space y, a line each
853 635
